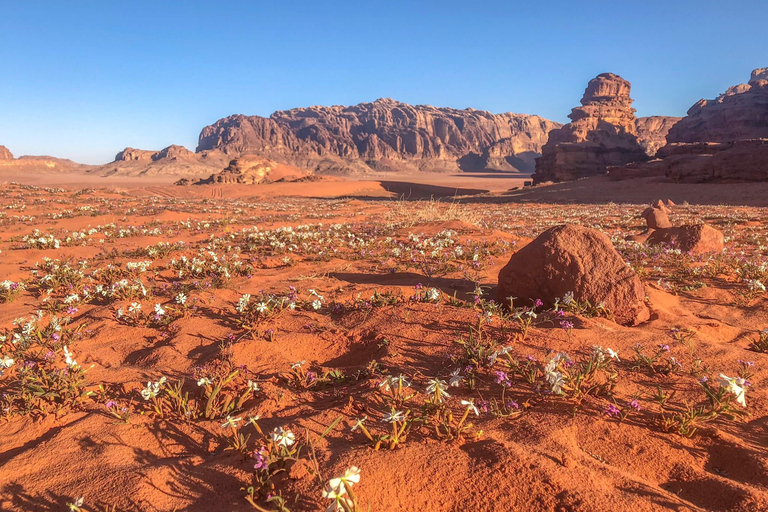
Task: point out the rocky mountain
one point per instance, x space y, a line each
724 139
652 132
171 161
739 113
37 164
602 133
252 170
385 135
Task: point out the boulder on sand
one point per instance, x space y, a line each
695 238
574 259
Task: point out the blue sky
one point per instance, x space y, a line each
82 80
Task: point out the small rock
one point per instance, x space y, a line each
574 259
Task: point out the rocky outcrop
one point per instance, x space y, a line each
37 164
652 132
602 133
172 152
253 170
693 238
738 114
725 139
656 218
134 155
574 259
171 161
742 160
385 135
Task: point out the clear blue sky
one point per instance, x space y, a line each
83 80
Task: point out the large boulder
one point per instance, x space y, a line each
656 218
695 238
575 259
602 133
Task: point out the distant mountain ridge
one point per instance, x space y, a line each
380 136
384 135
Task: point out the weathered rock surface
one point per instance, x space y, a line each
37 164
656 218
652 132
252 170
742 160
695 238
574 259
738 114
725 139
602 133
173 160
385 135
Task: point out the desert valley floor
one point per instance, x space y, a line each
234 348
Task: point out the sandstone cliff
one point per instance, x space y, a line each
739 113
725 139
652 132
36 164
602 133
171 161
385 135
252 170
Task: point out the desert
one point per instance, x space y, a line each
245 283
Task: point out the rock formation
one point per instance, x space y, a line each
171 161
252 170
652 132
574 259
385 135
36 164
694 238
602 133
738 114
725 139
656 218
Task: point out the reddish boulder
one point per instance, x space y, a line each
602 133
574 259
695 238
656 218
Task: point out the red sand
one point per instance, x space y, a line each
560 454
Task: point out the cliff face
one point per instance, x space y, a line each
739 113
725 139
384 135
36 164
602 133
173 160
652 132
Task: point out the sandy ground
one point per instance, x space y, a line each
360 269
